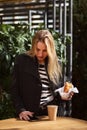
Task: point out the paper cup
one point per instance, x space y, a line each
52 112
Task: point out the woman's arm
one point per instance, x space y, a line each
15 92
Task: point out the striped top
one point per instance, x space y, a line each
46 95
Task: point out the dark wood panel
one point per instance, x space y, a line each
6 20
14 14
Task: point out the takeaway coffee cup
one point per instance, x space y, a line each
52 112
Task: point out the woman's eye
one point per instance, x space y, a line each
44 50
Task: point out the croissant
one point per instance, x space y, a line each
67 87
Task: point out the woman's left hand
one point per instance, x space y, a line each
67 97
70 95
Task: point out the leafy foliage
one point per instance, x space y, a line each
6 107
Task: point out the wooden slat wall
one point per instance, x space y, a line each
16 11
11 13
14 1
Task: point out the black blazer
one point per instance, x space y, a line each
26 85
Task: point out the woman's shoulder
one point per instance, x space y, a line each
23 57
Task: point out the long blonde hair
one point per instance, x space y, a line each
53 68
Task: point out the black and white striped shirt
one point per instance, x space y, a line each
46 95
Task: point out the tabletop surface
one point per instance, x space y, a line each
62 123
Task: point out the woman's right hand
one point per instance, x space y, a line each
24 115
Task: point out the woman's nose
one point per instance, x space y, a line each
40 54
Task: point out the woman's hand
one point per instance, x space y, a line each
67 97
70 95
25 115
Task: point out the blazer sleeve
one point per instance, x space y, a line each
15 94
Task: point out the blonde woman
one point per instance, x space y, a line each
36 77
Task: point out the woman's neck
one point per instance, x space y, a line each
42 63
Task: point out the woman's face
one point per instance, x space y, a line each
41 52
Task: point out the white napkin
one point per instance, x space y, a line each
74 89
66 95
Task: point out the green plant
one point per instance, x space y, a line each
6 107
61 44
